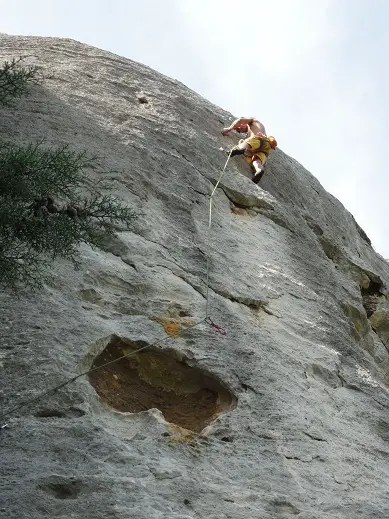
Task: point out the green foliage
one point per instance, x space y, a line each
14 81
47 209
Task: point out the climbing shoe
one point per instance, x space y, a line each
236 151
257 177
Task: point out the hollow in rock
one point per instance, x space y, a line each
371 297
187 396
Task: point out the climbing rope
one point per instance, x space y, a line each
207 318
70 380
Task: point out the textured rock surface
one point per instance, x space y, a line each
291 277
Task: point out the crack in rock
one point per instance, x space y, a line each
314 437
249 200
253 304
317 457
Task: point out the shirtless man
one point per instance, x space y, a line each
240 125
256 147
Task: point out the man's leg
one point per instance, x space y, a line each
240 149
258 170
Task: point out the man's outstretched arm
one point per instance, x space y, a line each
238 125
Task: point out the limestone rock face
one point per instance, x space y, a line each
286 415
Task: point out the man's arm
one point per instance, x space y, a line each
249 131
238 124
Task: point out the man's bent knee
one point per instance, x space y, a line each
243 145
242 149
258 166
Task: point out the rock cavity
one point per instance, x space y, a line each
187 396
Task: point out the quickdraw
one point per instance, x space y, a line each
218 328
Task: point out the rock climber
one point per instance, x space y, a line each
256 147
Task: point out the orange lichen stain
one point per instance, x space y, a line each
172 329
173 326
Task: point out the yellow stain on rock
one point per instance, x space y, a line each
173 326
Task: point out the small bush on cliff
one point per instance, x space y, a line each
14 81
48 207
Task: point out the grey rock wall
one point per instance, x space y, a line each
301 424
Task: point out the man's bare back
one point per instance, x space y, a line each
257 127
242 125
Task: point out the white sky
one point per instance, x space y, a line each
314 71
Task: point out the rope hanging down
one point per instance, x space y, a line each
207 318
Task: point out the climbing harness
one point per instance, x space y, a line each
256 147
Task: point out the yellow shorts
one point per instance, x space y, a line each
256 144
257 156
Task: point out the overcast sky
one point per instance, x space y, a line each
314 71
